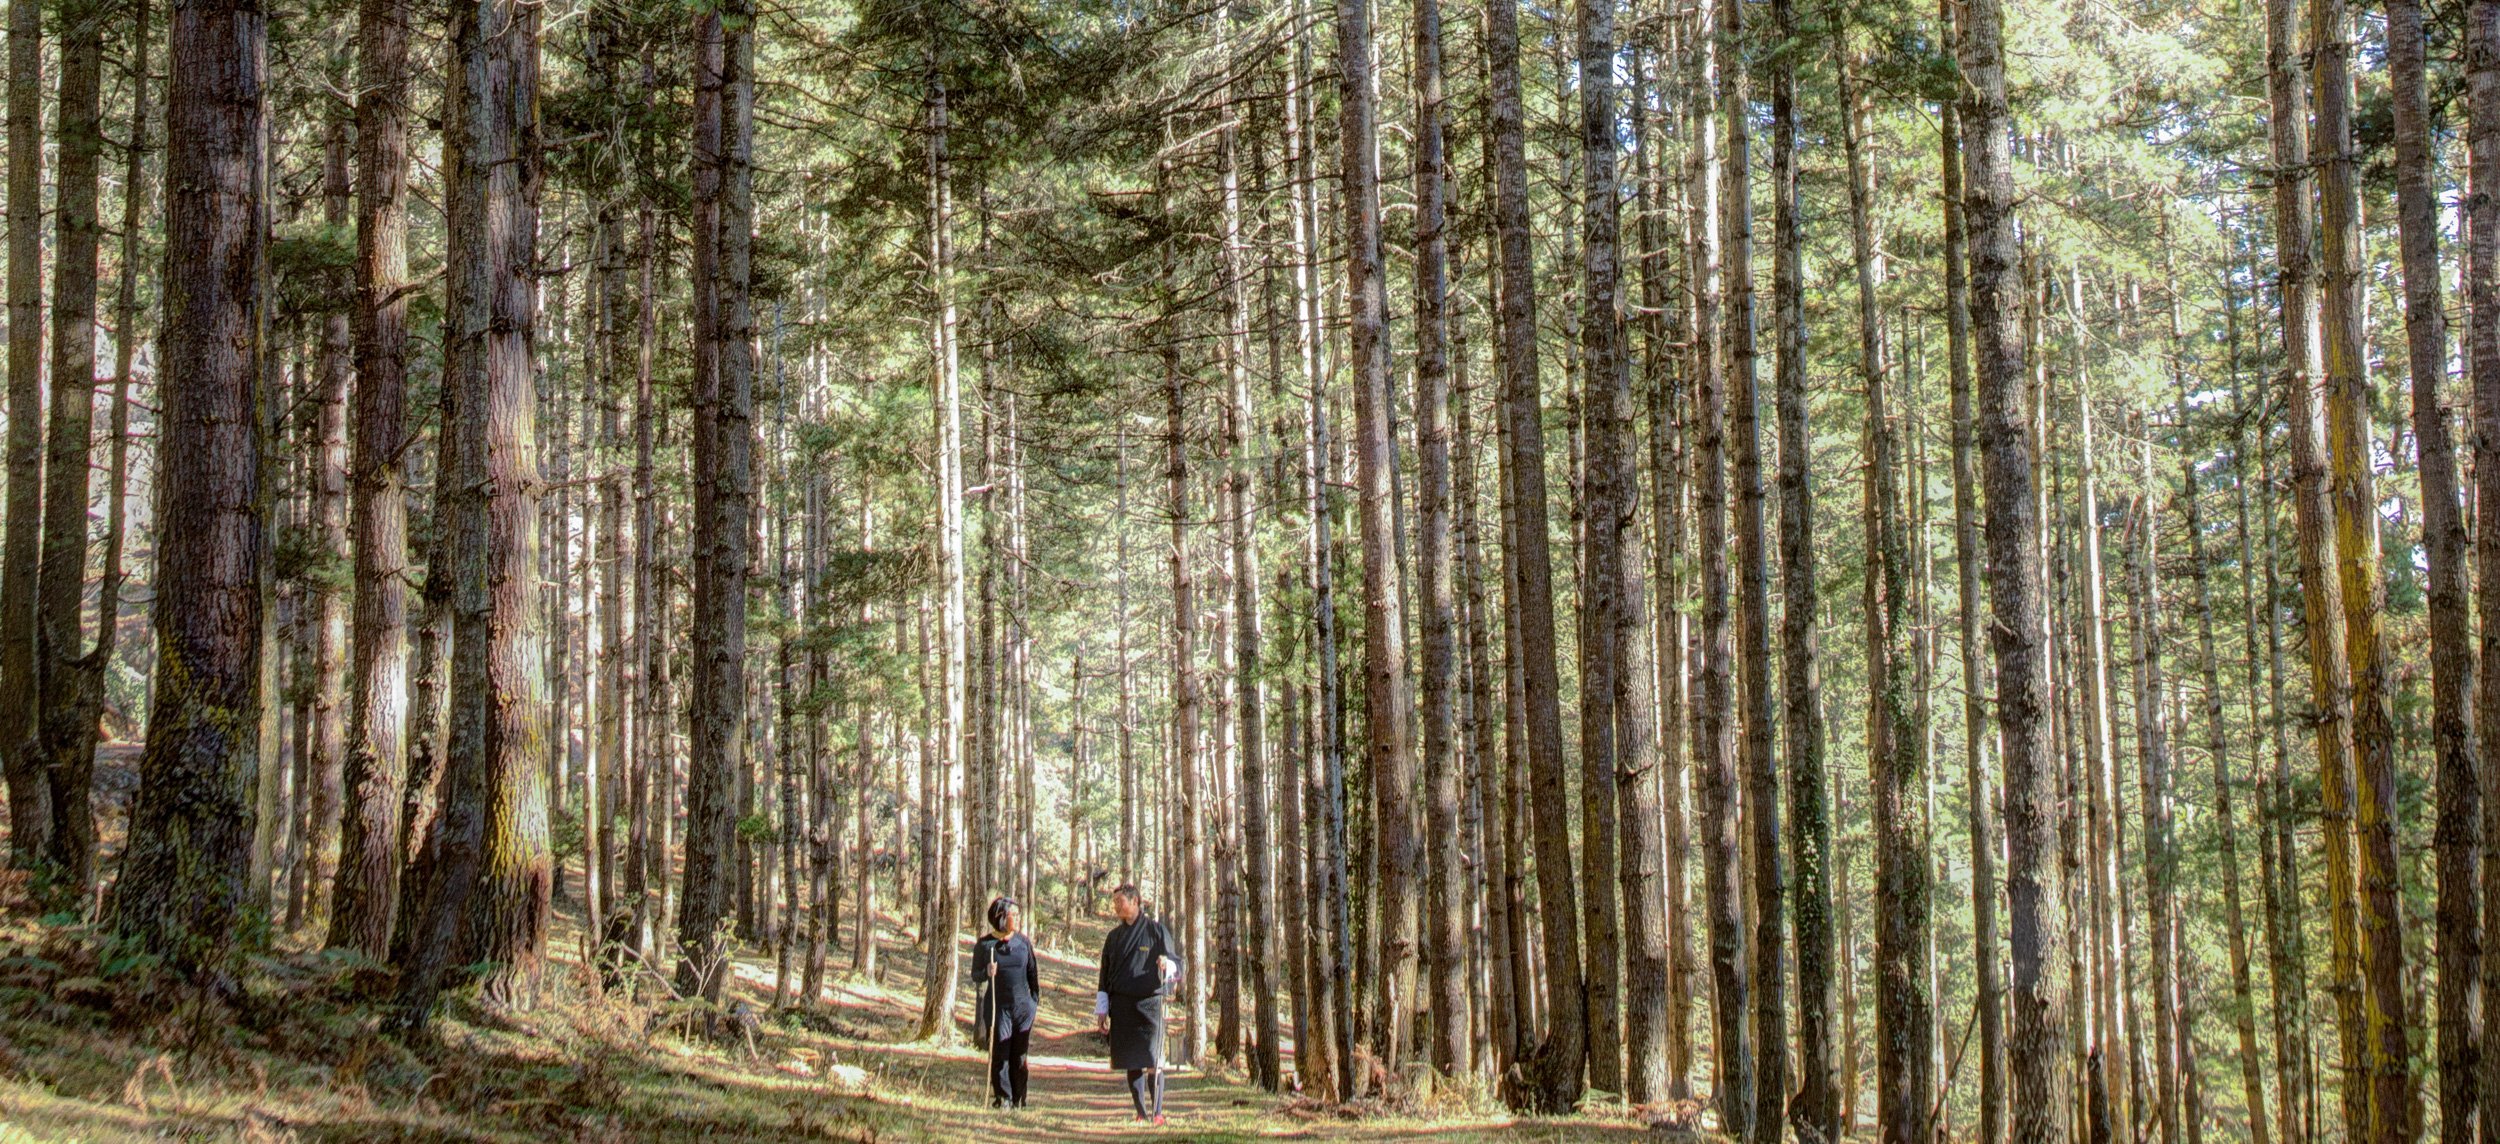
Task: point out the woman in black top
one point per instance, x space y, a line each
1138 958
1010 980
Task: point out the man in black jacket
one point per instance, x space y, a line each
1139 959
1010 980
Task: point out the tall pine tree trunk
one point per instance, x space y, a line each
2482 352
324 603
2153 764
2285 968
487 899
1604 514
364 905
724 368
1896 750
2458 833
2036 997
2218 745
2349 431
1817 1107
1444 932
1190 802
2314 511
1987 967
646 833
1556 1081
1662 330
1754 725
64 721
183 890
1391 758
942 705
1722 848
136 206
1496 1006
30 790
1331 1039
2111 1024
1248 638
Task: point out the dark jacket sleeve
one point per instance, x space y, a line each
1166 947
1102 971
1033 971
981 957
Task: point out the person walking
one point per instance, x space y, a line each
1010 980
1139 959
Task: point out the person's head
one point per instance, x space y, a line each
1003 915
1127 903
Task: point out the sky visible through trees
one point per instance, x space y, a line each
1788 568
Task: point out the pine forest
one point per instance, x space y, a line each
1713 570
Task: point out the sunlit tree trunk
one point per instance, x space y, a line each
1496 1006
1639 726
2314 511
1191 800
364 906
2110 1028
1330 1040
621 767
487 899
942 704
2392 1107
1248 638
1764 869
1662 325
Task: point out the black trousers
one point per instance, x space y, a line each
1145 1090
1007 1067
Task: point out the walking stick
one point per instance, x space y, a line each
989 1029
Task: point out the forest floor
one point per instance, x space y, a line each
93 1050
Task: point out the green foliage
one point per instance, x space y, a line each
308 262
565 836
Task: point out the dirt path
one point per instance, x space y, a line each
1074 1094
